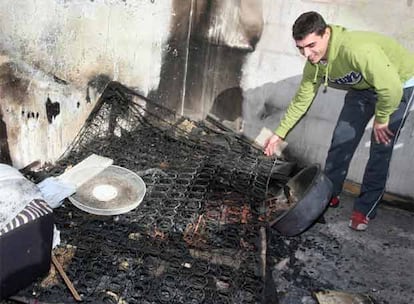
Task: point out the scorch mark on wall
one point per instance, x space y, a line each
12 85
52 110
4 144
29 114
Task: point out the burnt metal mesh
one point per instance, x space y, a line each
195 236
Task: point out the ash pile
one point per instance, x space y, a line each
195 238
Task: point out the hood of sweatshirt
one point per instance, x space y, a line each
335 41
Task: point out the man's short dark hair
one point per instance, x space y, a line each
308 23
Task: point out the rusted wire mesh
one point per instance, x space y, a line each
194 238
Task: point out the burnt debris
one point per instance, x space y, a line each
196 236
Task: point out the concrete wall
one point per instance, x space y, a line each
58 56
232 58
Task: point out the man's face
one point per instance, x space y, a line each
314 47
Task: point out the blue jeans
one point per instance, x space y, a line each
358 109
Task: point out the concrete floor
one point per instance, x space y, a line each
378 262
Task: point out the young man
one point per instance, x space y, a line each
379 76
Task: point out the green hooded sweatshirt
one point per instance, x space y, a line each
358 60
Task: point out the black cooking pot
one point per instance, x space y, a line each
309 193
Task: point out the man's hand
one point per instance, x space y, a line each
381 133
271 144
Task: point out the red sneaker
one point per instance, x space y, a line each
334 202
358 221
